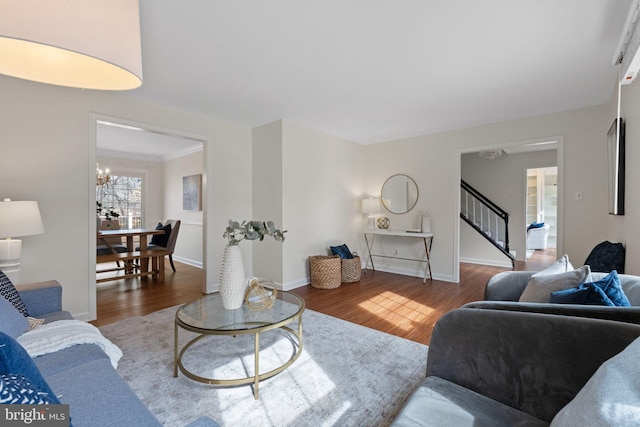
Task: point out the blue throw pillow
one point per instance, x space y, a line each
17 389
14 359
535 225
9 291
586 293
12 322
161 239
611 286
342 251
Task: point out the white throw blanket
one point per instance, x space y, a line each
55 336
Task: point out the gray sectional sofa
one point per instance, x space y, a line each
509 285
503 292
82 375
488 367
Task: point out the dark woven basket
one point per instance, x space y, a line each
351 269
325 271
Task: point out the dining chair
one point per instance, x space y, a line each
110 245
167 241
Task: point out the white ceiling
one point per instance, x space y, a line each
375 70
115 140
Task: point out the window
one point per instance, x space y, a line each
123 195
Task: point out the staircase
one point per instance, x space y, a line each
486 218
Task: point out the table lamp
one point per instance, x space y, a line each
371 206
17 219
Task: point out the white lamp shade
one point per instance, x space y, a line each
90 44
370 205
19 219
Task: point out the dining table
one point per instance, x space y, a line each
129 235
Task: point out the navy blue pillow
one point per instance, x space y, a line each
342 251
586 293
611 286
535 225
17 389
14 359
161 239
9 291
12 322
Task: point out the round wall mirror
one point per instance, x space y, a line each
399 194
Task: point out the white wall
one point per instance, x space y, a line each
267 200
48 155
322 187
625 228
434 162
189 246
503 181
309 183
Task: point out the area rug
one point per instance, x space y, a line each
347 374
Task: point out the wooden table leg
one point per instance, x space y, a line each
144 261
154 268
161 268
131 263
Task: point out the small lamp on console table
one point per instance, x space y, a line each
371 206
17 219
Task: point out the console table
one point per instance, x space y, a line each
427 238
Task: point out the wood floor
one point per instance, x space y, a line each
396 304
121 299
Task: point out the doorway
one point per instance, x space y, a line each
542 201
518 195
161 158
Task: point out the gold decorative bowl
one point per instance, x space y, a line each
258 297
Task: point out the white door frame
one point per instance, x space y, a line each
94 118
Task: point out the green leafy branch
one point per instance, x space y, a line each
252 230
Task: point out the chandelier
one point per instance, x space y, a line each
102 176
491 154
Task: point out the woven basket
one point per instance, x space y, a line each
325 271
351 269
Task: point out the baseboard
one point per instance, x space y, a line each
190 262
490 262
413 273
211 288
307 280
296 284
85 316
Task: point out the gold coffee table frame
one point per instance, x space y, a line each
206 316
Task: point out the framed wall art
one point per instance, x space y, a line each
616 154
192 192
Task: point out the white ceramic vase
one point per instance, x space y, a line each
232 280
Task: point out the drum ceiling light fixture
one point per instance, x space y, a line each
88 44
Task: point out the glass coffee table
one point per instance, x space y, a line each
206 316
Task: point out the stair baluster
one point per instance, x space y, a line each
498 235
